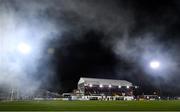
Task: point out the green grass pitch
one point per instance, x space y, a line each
172 105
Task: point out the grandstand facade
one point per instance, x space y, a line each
105 87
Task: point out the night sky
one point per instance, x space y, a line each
113 39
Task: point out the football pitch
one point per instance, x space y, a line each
171 105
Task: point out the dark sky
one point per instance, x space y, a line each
113 39
85 50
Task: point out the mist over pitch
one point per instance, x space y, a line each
27 31
23 34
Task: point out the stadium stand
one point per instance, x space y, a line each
106 89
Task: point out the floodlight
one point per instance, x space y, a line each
90 85
100 85
24 48
110 86
127 87
119 86
154 64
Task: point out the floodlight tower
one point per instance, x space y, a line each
12 94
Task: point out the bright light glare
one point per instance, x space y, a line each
154 64
90 85
24 48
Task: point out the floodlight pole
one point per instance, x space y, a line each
12 92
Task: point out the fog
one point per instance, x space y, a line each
36 23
